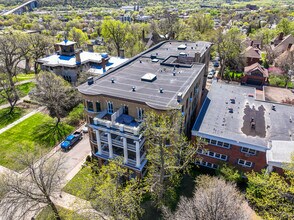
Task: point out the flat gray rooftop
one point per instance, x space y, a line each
229 110
129 74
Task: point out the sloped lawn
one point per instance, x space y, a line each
6 119
37 130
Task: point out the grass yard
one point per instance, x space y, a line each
23 77
81 183
6 119
37 130
22 89
47 214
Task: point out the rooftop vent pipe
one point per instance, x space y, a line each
112 80
134 89
90 80
161 90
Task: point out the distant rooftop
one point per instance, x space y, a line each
148 79
280 153
70 61
238 118
66 43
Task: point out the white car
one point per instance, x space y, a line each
210 75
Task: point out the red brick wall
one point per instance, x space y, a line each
234 153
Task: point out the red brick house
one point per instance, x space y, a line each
255 74
242 129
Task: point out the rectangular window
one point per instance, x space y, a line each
126 110
244 163
91 120
226 145
207 140
219 143
90 106
140 112
248 151
98 107
213 142
109 107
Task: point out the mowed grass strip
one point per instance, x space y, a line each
6 119
81 184
65 214
36 131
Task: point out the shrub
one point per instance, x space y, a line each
76 115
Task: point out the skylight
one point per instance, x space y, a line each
182 47
149 77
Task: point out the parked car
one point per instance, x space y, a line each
71 140
216 64
210 75
212 71
85 129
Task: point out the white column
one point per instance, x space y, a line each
110 145
138 158
125 144
98 142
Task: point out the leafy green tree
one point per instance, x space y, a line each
115 32
201 22
169 154
286 26
230 173
115 194
229 48
78 36
271 195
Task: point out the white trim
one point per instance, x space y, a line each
207 153
246 150
207 164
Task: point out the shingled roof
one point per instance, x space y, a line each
251 52
256 66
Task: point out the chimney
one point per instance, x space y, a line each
251 44
103 63
90 80
252 123
78 57
90 48
197 57
179 97
122 53
56 48
281 36
289 46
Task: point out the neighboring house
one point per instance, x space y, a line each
239 129
255 74
279 155
168 76
70 62
287 57
281 43
253 43
251 55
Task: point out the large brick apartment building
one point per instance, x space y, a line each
170 75
242 131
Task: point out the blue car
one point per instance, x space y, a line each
71 140
216 64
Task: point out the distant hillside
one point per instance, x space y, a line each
81 3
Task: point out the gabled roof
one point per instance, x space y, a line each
256 66
283 45
284 56
251 52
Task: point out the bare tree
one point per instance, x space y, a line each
39 45
28 193
13 48
214 199
56 94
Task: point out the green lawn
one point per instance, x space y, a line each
47 214
280 81
37 130
80 185
23 77
6 119
22 89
